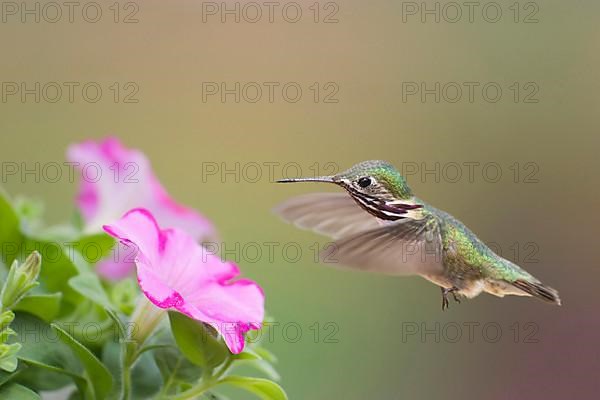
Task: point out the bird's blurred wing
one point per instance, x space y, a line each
332 214
404 247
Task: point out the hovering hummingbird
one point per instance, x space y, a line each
380 226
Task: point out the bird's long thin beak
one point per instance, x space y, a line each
328 179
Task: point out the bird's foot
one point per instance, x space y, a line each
445 292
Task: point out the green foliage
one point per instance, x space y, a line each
8 356
95 247
123 295
88 285
177 372
20 280
197 341
14 391
51 363
263 388
58 267
260 360
97 375
61 325
44 306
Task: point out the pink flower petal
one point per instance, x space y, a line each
116 179
232 309
174 271
139 228
114 270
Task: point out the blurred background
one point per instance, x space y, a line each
491 111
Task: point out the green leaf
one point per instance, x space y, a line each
265 354
8 376
99 376
112 356
14 391
247 355
53 363
146 378
124 295
8 360
121 330
266 368
44 306
46 377
263 388
95 247
57 267
88 285
9 364
75 396
176 370
11 237
196 342
260 359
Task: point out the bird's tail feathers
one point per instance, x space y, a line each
538 290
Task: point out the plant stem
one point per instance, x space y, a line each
145 319
194 391
167 385
126 394
224 368
205 383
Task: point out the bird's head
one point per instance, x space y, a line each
375 180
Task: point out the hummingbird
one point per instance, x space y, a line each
379 225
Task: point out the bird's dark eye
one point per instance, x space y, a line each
364 182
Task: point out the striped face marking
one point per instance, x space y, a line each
377 200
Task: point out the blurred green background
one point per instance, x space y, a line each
548 223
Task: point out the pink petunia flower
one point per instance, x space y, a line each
175 272
116 179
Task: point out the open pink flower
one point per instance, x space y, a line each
116 179
175 272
